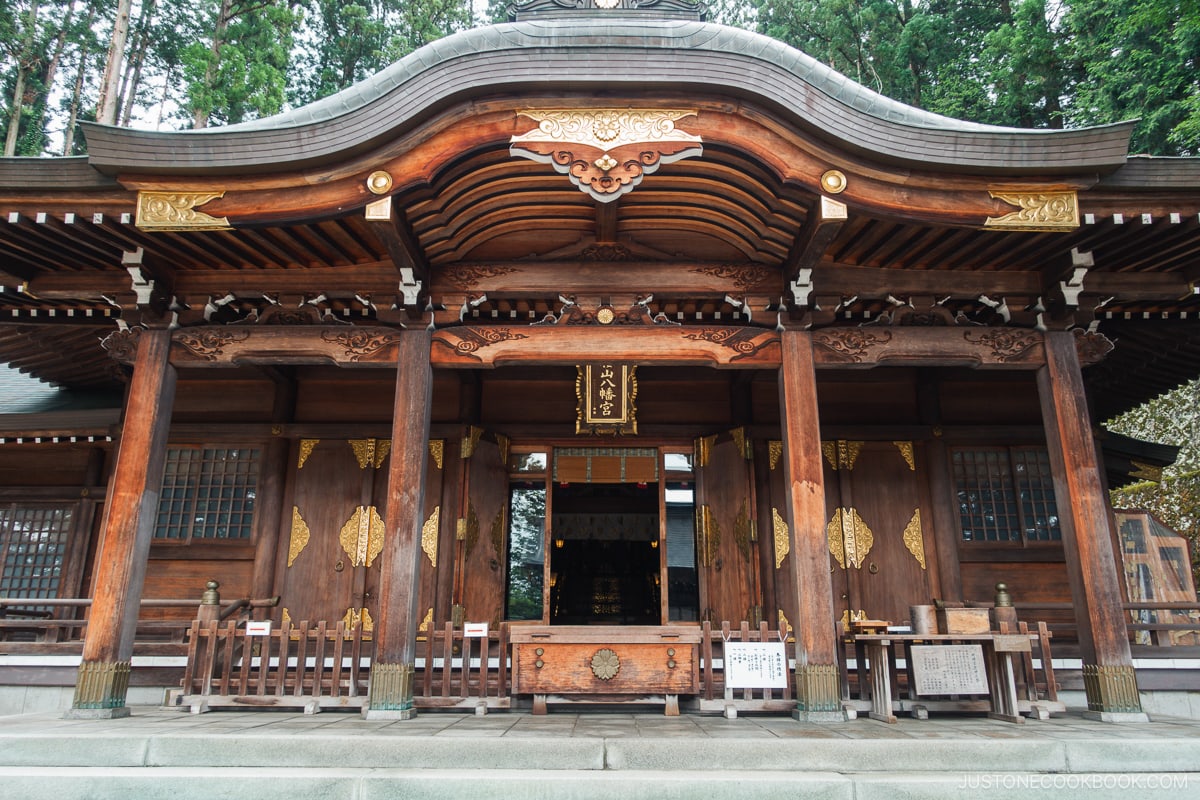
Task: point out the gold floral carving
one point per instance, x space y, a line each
370 452
606 151
471 441
208 344
468 528
708 535
783 537
306 448
743 531
785 626
850 540
605 664
1038 211
285 618
505 445
354 617
429 535
850 344
841 454
774 453
744 445
913 539
437 449
907 453
358 344
362 536
704 446
300 536
176 211
426 623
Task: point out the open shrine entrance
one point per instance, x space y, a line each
604 536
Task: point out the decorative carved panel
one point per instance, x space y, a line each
1037 211
606 151
176 211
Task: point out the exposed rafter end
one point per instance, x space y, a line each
818 232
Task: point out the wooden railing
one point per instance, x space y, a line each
715 695
319 666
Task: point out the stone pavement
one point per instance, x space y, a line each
263 754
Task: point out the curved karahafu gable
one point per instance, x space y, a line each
613 55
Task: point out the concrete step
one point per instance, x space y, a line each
175 756
239 783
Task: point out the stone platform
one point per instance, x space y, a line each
160 753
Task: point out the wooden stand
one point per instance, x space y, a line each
597 664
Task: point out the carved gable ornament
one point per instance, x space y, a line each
606 151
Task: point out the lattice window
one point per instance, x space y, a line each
33 549
208 493
1005 495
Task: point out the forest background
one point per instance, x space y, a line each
165 64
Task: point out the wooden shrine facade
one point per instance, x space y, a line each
865 349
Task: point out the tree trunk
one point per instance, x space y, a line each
134 75
77 91
18 102
106 107
200 115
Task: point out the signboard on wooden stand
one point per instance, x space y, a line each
949 669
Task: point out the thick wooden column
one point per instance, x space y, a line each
818 696
130 511
391 689
1108 673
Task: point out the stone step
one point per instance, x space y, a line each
266 783
542 750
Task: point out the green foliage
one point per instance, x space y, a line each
238 70
1138 58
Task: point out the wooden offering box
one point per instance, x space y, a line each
963 620
606 664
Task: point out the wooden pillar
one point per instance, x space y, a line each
272 490
130 511
818 693
1108 674
391 689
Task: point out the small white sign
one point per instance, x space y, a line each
258 627
475 630
756 665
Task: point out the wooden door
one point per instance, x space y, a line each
725 548
878 529
481 533
436 573
330 569
780 595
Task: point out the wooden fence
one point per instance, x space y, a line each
317 667
715 695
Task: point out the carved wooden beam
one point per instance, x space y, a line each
393 230
664 345
819 229
487 346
